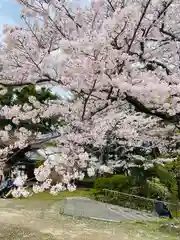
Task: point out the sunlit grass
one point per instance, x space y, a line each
47 196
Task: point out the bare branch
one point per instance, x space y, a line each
70 16
33 33
115 40
139 24
161 13
142 108
110 3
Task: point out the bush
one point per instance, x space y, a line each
85 183
103 183
155 188
121 183
118 182
167 179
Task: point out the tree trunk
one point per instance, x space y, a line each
178 186
18 157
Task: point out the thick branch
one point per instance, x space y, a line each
44 79
38 144
86 100
142 108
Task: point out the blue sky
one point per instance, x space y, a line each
9 13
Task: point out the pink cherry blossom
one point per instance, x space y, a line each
120 61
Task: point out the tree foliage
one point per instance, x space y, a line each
120 61
20 97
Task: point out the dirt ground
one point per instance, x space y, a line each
37 220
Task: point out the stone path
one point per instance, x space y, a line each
84 207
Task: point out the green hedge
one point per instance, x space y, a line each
118 182
114 182
85 183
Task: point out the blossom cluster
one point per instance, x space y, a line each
120 61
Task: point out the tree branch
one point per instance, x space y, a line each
171 35
70 16
142 108
161 13
86 100
44 79
110 3
139 24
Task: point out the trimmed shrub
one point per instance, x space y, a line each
103 183
85 183
118 182
121 183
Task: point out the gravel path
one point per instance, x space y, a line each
84 207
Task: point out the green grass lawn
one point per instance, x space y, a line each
62 195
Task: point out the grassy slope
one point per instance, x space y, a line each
37 218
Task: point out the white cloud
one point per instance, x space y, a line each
5 20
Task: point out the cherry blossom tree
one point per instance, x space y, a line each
22 96
120 61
